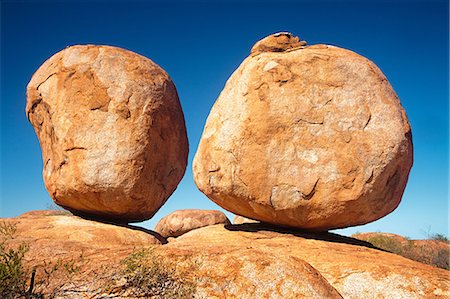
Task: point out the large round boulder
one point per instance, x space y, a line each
312 137
111 130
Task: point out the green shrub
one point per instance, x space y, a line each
18 282
149 274
13 277
439 237
418 252
441 259
386 243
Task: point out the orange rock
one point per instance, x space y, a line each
252 273
312 137
241 220
349 265
111 130
180 222
54 235
278 42
235 261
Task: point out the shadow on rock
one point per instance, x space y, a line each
322 236
129 226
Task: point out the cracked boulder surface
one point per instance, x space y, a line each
112 132
312 137
182 221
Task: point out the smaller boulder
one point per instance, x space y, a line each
241 220
182 221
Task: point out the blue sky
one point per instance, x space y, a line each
201 44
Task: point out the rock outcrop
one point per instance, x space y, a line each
55 235
111 130
252 273
182 221
233 261
312 137
350 266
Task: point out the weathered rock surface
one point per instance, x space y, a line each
241 220
278 42
180 222
233 261
312 137
354 270
111 130
72 255
56 234
252 273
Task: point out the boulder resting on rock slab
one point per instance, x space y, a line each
112 132
311 137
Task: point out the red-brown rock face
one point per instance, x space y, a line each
111 129
312 137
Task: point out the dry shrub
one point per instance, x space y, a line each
429 253
149 274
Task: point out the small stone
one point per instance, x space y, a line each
241 220
182 221
278 42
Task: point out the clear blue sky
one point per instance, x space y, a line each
201 44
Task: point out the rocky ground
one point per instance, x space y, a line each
77 258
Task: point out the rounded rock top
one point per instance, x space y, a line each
311 137
277 42
111 129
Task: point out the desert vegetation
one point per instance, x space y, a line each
435 251
20 281
13 277
439 237
143 273
150 274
